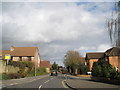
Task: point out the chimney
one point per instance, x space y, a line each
12 48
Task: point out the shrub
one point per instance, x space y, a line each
115 74
105 72
22 65
4 76
83 69
104 69
16 75
41 71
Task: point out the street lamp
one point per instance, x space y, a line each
35 67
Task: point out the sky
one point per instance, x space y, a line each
56 27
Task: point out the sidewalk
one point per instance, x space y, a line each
83 82
20 81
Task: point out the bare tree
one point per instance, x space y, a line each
73 60
113 26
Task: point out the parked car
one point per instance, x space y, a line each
53 73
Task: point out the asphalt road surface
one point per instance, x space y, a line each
57 82
47 82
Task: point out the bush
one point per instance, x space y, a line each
115 74
83 69
104 69
105 72
41 71
4 76
97 71
16 75
22 65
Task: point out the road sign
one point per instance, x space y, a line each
7 56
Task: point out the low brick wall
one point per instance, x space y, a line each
106 80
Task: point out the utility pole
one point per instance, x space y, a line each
35 67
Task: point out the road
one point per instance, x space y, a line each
55 82
47 82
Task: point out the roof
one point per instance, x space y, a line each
96 55
0 52
45 64
21 51
114 51
5 52
83 58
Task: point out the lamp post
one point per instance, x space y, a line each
35 67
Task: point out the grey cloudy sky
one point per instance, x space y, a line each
56 27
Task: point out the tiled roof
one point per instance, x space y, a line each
45 64
114 51
0 52
5 52
21 51
96 55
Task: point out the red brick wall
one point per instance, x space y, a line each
114 60
91 61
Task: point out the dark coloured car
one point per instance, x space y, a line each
53 73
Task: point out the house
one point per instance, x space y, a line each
113 57
23 54
45 64
93 57
0 55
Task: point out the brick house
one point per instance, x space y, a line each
93 57
23 54
0 55
46 64
111 55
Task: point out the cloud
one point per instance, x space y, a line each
103 47
60 0
48 24
56 27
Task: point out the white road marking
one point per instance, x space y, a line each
40 87
12 84
15 83
46 81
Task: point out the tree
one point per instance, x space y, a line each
73 61
113 26
54 66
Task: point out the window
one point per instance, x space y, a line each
29 58
20 58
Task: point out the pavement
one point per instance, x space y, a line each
74 82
